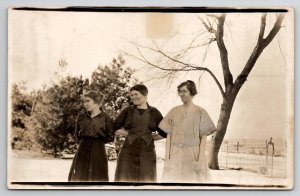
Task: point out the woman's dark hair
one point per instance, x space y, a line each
94 96
141 88
191 86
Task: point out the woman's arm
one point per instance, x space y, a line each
157 136
166 123
120 120
160 133
77 128
207 126
110 132
202 149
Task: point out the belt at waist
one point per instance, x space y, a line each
147 137
185 144
139 130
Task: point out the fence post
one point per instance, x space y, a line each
270 143
272 158
266 156
237 155
285 154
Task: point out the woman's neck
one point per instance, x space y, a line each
95 112
142 106
188 103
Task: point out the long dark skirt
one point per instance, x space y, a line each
90 161
136 162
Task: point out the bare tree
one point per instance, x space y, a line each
214 25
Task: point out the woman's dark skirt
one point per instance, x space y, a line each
90 161
136 162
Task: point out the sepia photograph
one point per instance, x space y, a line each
150 98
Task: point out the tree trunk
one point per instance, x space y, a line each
217 140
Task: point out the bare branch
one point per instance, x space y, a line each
207 26
261 44
281 52
274 30
175 59
228 80
262 28
158 50
196 37
164 75
206 52
193 66
170 58
215 79
191 47
143 46
185 69
144 60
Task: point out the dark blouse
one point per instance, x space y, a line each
125 119
100 126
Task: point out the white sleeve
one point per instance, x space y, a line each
207 126
166 123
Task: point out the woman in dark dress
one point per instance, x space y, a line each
94 128
139 123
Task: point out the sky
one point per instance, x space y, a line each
263 108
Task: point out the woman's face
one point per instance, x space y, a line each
90 104
185 94
137 98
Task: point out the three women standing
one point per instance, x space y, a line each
186 125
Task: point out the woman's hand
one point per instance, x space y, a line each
212 134
122 132
156 136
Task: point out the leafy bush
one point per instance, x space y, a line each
46 118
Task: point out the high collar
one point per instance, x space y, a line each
149 107
88 114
